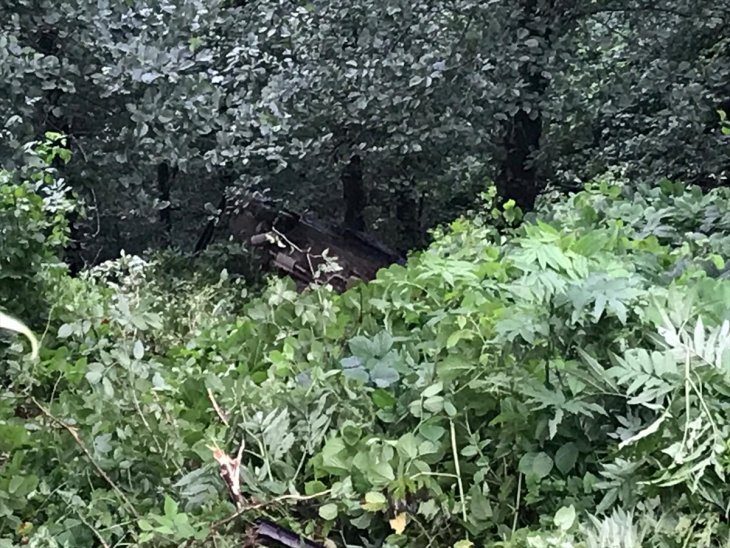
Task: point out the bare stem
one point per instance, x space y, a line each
457 469
217 408
97 534
517 503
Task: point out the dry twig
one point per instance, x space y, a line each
216 407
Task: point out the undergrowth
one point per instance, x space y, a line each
563 383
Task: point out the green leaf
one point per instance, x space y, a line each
95 373
381 344
351 433
314 487
170 507
381 472
565 517
566 456
138 350
383 375
469 451
433 390
333 455
12 436
328 511
450 408
15 482
374 501
457 336
542 465
434 404
65 331
407 446
383 399
361 347
353 368
536 465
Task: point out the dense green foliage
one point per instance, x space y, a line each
561 383
551 368
33 225
169 103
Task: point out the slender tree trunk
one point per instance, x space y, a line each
519 180
353 193
164 185
206 237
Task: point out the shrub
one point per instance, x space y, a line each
499 390
33 227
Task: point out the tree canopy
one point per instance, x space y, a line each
168 104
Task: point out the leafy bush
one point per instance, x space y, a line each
33 225
500 389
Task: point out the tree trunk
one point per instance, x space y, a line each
518 179
353 193
407 211
164 184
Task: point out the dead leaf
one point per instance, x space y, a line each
398 523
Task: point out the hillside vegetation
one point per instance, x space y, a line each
564 382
